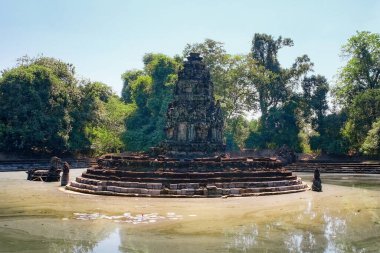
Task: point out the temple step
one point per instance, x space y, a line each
185 189
339 167
209 191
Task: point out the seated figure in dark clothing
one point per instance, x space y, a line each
317 183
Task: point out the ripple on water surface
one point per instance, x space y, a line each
37 217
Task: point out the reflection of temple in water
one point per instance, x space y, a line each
194 120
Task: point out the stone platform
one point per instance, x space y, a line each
183 164
144 176
348 167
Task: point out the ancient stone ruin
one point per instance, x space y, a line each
47 175
194 121
191 161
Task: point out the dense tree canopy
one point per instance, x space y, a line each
45 108
358 90
371 144
362 70
150 92
362 113
277 92
98 120
35 106
257 82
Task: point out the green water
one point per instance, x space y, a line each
42 217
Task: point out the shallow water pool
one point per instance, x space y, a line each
42 217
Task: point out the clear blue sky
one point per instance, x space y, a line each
105 38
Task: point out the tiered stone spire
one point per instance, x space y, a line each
194 120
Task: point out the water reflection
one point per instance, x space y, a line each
83 246
129 218
335 228
244 239
50 235
364 181
41 219
110 244
309 231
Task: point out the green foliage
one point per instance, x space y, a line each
358 91
304 140
258 82
59 115
280 128
277 96
44 110
236 132
150 93
371 144
275 86
35 106
89 109
128 78
238 95
217 61
265 49
141 90
362 70
314 108
315 89
99 120
106 136
362 113
331 140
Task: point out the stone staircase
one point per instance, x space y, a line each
206 177
26 164
355 167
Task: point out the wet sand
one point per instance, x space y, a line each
43 217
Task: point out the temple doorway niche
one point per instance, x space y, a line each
182 132
191 132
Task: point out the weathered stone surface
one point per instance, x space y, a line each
194 120
190 162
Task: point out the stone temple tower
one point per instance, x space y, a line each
194 121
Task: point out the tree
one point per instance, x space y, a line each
362 70
371 144
277 96
358 88
281 128
232 76
106 136
265 49
236 132
215 58
314 96
240 93
46 89
362 113
331 140
217 61
128 78
276 84
150 92
99 120
56 114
